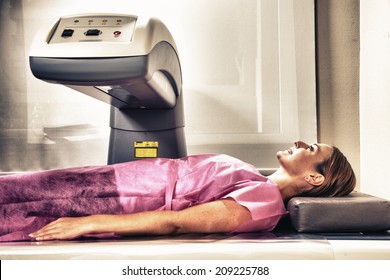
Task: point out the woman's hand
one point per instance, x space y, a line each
64 228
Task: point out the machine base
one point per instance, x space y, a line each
132 145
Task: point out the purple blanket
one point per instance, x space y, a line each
30 201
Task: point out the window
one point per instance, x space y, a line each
250 77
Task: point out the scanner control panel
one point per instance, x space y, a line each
94 29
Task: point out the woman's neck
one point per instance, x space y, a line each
286 184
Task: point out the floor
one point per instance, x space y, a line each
270 246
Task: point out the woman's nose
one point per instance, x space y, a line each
300 144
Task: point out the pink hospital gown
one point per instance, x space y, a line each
29 201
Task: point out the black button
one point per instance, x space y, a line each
93 32
67 33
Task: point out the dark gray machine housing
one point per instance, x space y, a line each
129 64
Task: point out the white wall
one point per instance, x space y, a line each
248 73
375 97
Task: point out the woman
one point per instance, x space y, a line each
195 194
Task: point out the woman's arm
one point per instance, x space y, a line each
217 216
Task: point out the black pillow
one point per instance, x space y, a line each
357 212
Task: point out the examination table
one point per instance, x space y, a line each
352 227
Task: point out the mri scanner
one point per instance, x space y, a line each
132 64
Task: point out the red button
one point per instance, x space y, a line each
117 33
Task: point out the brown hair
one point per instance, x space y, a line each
339 180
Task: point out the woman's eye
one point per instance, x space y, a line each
311 148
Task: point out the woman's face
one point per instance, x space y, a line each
302 158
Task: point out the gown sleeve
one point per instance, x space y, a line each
264 202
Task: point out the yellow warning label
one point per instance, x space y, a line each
146 144
145 149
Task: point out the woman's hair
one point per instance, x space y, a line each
339 180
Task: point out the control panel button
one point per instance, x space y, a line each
93 32
67 33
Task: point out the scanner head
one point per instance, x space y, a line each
123 60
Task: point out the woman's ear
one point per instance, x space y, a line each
315 179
